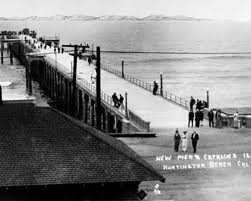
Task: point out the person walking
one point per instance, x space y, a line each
211 118
177 140
190 118
194 137
197 118
184 141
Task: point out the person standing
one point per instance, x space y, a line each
218 119
121 100
115 100
211 118
197 118
177 140
192 102
201 114
236 119
184 141
190 118
155 88
194 137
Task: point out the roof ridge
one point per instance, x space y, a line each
137 158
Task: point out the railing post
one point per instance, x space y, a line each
126 110
161 85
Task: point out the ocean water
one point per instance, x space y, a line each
227 77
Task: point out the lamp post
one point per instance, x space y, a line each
161 84
122 65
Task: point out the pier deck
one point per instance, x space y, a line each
160 113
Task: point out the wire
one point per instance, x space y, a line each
148 52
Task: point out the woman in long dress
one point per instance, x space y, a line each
184 141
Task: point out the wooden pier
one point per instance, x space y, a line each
52 70
58 85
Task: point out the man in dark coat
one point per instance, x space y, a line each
211 118
177 140
194 137
115 100
201 116
121 100
190 117
155 88
192 102
197 118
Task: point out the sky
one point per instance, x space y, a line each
213 9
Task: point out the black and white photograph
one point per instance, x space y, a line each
125 100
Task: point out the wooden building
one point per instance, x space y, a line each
47 155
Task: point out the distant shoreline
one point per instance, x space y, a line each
104 18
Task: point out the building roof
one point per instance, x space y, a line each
42 146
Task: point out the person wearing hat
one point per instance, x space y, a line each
184 141
177 140
197 118
194 138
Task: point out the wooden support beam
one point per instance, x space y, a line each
11 55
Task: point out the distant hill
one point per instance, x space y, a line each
164 18
103 18
117 18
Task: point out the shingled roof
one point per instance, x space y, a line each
42 146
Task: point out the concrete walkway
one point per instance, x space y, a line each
158 111
161 113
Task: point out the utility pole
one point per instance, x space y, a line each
2 47
208 98
74 76
98 91
126 108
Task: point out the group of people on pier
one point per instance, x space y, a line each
118 102
214 116
41 44
198 116
183 140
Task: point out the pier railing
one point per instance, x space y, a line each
147 86
134 118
